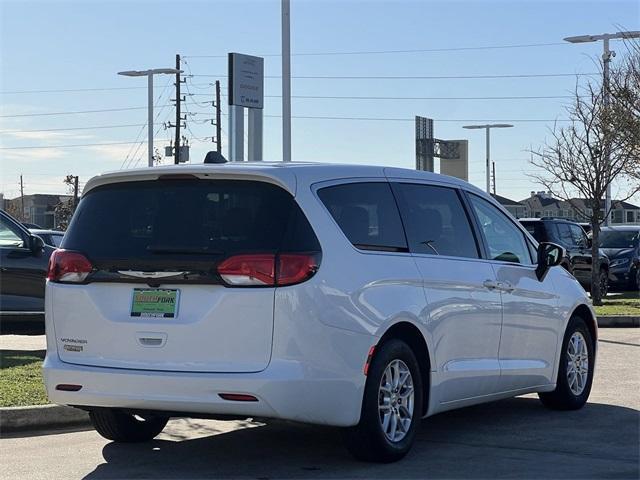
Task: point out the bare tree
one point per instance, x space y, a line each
599 147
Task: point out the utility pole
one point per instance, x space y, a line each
218 120
493 175
21 199
75 192
176 143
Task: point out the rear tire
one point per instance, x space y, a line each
124 427
575 372
387 403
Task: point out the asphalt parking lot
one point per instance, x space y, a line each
516 438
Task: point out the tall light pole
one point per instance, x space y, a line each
149 74
606 59
286 81
488 128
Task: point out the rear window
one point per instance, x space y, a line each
367 214
141 222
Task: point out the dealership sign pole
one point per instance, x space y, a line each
246 90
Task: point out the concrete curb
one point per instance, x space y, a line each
618 321
40 417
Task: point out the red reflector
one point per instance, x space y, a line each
258 269
368 361
295 267
68 266
67 387
238 397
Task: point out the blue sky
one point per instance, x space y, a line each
77 45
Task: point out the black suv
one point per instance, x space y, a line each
578 247
23 269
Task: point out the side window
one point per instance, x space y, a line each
504 240
435 221
367 214
579 238
565 236
8 237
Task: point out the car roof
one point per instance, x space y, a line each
621 228
547 219
40 231
286 174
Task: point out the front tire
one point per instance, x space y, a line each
124 427
604 283
575 372
391 407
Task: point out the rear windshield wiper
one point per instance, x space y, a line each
380 248
185 250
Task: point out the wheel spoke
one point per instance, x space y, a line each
395 400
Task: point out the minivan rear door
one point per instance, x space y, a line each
154 299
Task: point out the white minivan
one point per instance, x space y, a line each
361 297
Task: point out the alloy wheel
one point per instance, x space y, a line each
577 363
396 400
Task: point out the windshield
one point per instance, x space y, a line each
619 239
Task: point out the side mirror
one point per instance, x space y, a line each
589 242
549 255
36 245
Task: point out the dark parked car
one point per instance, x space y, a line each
52 238
572 237
622 246
24 258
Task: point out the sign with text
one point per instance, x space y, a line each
246 80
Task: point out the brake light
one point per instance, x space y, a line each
295 267
260 269
68 266
247 270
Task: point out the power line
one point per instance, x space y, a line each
308 117
95 127
80 90
73 112
416 77
349 97
385 52
68 146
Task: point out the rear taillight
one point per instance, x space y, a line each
267 269
247 270
67 266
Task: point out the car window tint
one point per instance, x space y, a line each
565 237
9 238
56 240
435 221
578 235
504 240
367 214
185 220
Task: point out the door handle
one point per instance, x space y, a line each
490 284
506 287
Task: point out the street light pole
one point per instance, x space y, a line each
286 81
149 74
488 128
606 60
150 119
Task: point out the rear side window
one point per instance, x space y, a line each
184 220
367 214
435 221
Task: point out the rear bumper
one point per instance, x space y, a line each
283 391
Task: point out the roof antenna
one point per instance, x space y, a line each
214 157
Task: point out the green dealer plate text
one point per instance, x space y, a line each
155 302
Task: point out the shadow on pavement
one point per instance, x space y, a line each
507 439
